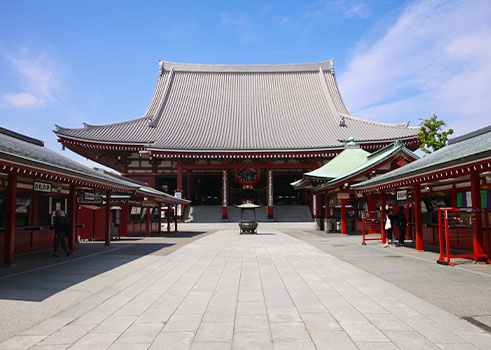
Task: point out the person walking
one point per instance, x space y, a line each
62 230
389 228
401 224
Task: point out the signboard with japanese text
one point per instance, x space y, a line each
401 195
39 186
343 195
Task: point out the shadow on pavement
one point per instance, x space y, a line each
38 276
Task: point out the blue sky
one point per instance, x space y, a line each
68 62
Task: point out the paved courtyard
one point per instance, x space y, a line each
266 291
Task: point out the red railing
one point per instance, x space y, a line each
371 225
474 217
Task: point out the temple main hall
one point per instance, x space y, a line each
221 135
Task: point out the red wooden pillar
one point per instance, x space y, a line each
168 217
175 218
9 243
72 217
147 230
326 210
179 175
418 221
343 216
382 216
453 196
270 195
224 195
476 205
107 226
123 220
160 218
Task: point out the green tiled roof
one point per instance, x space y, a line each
462 150
371 161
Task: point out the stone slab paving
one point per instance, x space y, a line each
266 291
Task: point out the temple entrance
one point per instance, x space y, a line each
206 189
239 194
284 193
167 184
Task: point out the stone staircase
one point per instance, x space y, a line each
282 213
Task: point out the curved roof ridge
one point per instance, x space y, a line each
165 66
404 125
92 126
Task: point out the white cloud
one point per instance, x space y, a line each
22 99
39 77
435 58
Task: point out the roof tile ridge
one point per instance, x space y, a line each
404 125
238 68
154 120
337 88
61 129
327 93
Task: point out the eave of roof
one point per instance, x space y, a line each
372 161
469 148
242 109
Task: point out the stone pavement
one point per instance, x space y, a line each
266 291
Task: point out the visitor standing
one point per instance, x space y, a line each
401 224
389 228
62 231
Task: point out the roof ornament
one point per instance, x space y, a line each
161 67
150 122
342 122
351 143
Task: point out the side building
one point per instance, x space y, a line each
226 134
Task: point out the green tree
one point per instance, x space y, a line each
431 135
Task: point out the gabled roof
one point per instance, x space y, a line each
472 147
351 157
145 190
24 151
241 108
371 162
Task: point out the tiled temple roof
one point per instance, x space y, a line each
472 147
286 107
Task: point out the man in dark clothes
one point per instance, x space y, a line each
62 231
401 224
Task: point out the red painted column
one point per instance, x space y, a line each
147 231
343 216
168 217
160 218
175 218
9 243
179 175
270 195
382 216
123 220
477 223
107 226
418 219
72 217
224 195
